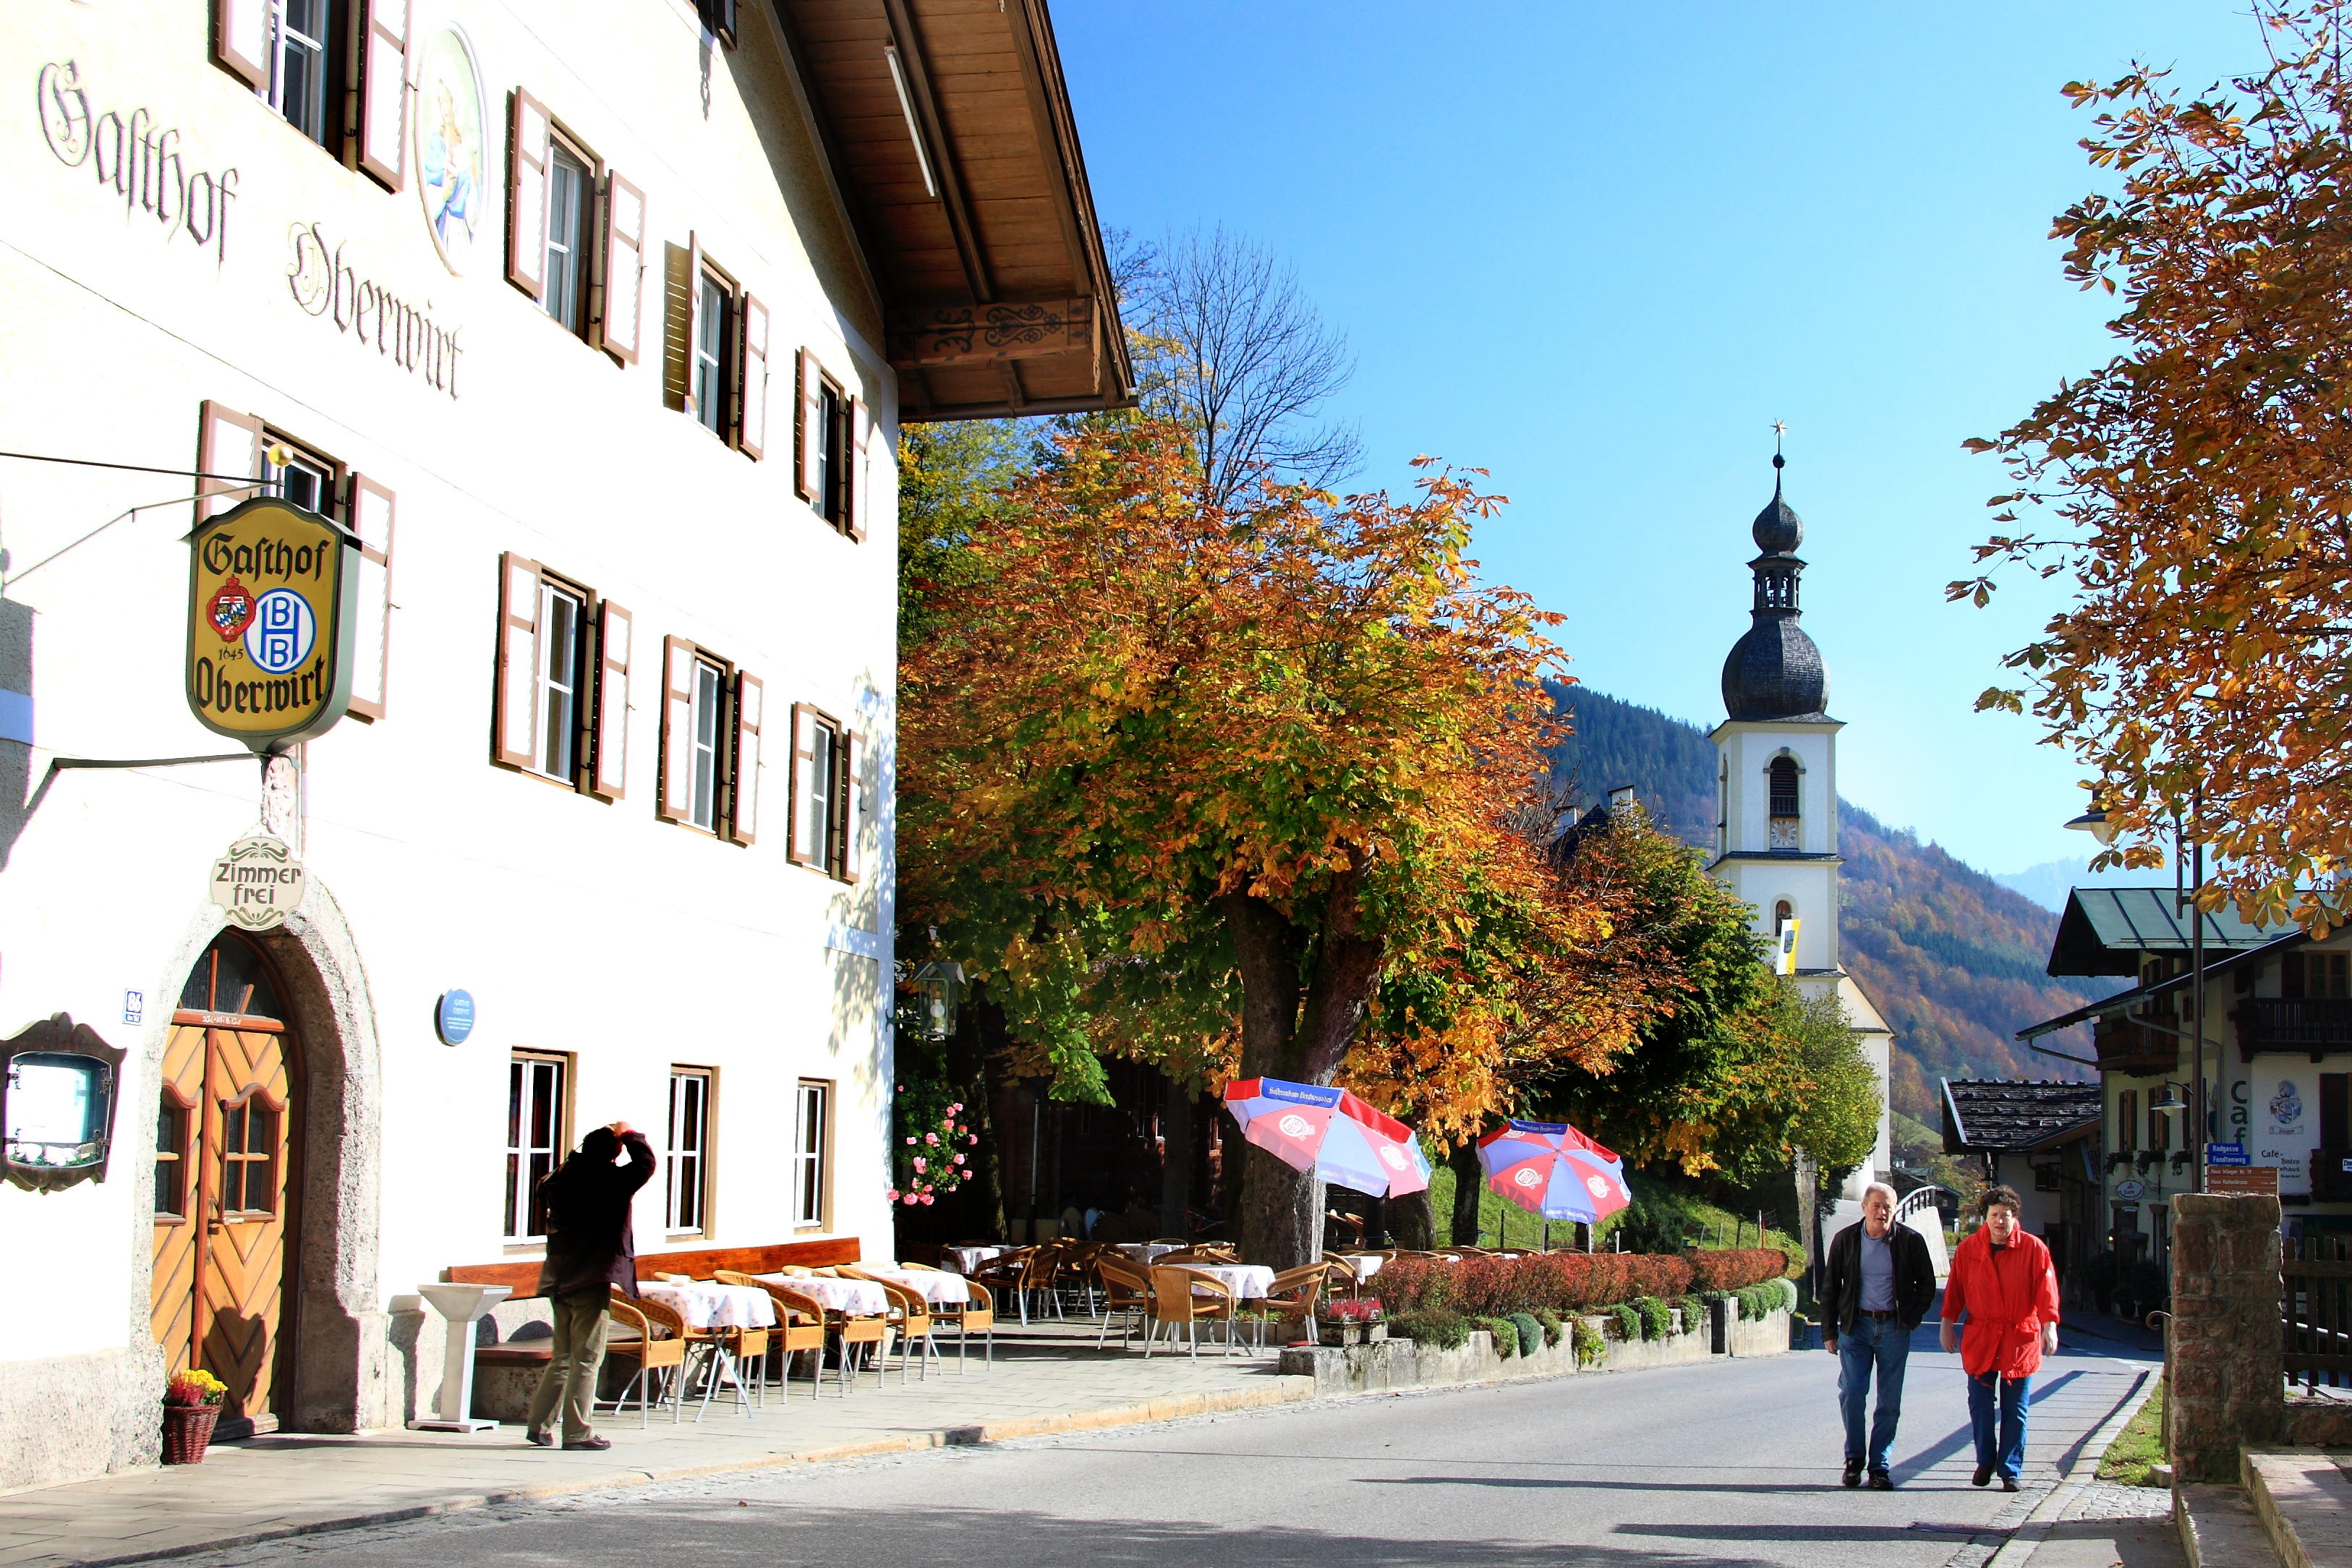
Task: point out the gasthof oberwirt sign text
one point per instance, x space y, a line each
272 601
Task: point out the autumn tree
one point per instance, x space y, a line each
1158 744
2198 487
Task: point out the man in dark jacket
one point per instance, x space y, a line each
592 1247
1878 1286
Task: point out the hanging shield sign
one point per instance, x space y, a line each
258 882
273 593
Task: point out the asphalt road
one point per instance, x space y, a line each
1713 1463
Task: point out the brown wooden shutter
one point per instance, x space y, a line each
852 792
800 831
693 318
674 801
751 380
808 429
512 736
383 101
527 134
624 269
228 443
371 513
854 453
614 627
241 39
744 807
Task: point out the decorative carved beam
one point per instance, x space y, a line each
970 334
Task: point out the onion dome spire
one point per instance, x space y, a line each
1775 670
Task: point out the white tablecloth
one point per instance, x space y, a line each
964 1259
1250 1281
705 1305
936 1286
858 1298
1366 1265
1145 1251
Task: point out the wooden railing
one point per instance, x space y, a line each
2318 1309
2294 1023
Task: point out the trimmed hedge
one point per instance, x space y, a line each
1565 1282
1439 1326
1734 1268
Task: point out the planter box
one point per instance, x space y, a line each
1344 1335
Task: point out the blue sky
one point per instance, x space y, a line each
1599 251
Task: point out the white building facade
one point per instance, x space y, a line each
1776 819
594 325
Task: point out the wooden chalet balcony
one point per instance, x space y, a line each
2125 1045
2312 1023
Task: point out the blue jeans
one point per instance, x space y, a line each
2005 1454
1883 1343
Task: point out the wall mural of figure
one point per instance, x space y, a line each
451 146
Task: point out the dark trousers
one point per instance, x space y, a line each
1994 1398
1883 1345
571 1375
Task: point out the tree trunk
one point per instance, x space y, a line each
1281 1212
1416 1231
1468 1182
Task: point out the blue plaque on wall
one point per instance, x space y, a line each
453 1018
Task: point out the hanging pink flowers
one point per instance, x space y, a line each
924 1175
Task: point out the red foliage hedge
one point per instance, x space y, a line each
1563 1281
1735 1268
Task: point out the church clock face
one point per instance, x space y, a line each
1784 833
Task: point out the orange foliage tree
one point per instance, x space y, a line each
1253 775
2202 480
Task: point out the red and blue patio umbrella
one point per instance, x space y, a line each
1550 1169
1330 1132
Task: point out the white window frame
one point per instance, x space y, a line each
573 243
545 688
812 1143
521 1099
707 743
686 1171
278 31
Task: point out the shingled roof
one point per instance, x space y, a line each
1985 1115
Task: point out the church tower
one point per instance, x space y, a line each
1776 832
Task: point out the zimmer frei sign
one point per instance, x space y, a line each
272 604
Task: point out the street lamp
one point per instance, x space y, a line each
2096 823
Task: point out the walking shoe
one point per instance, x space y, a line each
2008 1483
1880 1481
1983 1478
540 1439
591 1443
1854 1472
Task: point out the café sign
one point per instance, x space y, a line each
273 594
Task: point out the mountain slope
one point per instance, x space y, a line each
1953 959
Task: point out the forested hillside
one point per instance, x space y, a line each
1953 959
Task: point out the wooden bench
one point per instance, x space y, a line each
522 1276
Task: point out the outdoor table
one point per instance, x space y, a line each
937 1285
857 1298
1365 1264
702 1304
1145 1251
964 1259
1249 1282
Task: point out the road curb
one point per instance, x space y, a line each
2018 1551
1288 1391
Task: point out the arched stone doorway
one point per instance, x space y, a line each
329 1354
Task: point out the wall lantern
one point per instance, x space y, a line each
58 1083
935 987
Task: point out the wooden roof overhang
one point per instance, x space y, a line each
947 128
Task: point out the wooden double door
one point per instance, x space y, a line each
222 1186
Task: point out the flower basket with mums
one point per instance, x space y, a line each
192 1405
936 1159
1353 1321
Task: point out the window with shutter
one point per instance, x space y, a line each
382 130
719 17
372 511
808 430
859 431
743 796
801 835
528 133
515 720
304 63
538 1129
228 444
570 208
610 779
852 806
711 369
708 744
751 380
687 1183
241 33
623 269
676 797
812 1155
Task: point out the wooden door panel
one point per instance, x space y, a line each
179 1244
241 1279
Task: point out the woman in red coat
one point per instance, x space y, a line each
2003 1283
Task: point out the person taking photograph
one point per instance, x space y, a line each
592 1247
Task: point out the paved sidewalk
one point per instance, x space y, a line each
1046 1380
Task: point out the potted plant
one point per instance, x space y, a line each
192 1403
1353 1320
